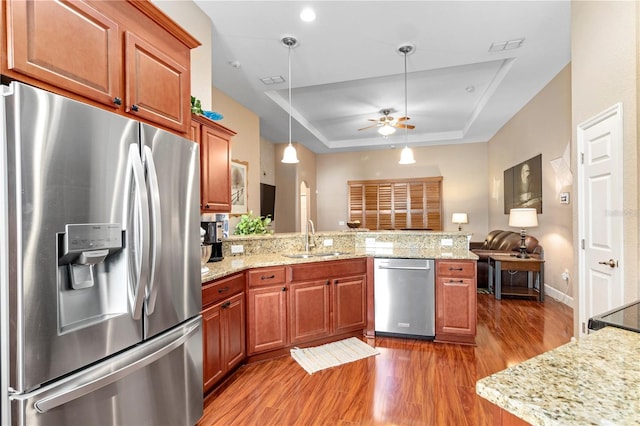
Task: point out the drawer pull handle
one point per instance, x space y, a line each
226 304
455 269
456 281
267 277
223 289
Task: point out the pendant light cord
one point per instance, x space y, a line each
406 129
289 94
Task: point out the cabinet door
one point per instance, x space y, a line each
267 318
309 315
234 316
69 45
349 304
215 152
456 306
213 367
157 86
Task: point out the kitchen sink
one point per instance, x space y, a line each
316 254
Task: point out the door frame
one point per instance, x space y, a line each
613 111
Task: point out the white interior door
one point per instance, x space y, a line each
600 214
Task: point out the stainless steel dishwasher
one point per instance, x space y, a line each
404 296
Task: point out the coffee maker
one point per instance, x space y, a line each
213 236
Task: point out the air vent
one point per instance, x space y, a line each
506 45
272 80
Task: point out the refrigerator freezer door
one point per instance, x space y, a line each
175 292
66 165
158 382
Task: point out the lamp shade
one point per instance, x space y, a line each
459 218
406 156
523 218
290 155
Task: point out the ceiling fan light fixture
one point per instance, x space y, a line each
290 155
386 130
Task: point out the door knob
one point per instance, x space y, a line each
612 263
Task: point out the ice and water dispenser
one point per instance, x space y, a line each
92 279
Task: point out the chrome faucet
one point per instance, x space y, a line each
308 240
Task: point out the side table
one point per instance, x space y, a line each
498 263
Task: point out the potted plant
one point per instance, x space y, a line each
250 224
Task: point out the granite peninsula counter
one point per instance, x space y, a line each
270 250
591 381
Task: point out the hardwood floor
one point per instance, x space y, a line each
411 382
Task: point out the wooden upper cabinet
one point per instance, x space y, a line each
124 55
156 85
73 46
215 164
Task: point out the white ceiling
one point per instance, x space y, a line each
346 67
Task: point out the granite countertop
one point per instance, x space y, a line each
233 264
591 381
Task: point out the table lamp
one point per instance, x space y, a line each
459 218
523 218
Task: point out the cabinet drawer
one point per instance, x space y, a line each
448 268
267 276
215 291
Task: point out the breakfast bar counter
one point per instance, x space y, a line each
591 381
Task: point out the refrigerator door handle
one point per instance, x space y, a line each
138 231
74 392
154 194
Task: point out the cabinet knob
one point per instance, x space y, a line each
335 282
328 282
223 289
206 206
284 289
117 101
134 108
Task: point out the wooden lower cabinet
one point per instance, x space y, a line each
456 305
309 311
312 302
267 318
224 325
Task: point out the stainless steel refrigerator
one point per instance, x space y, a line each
99 267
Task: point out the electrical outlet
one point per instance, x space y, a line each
237 249
328 242
446 242
341 223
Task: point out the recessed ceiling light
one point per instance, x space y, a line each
470 89
308 15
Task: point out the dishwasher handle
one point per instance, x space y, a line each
413 268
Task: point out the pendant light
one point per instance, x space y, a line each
290 155
406 156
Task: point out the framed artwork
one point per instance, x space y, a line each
239 187
523 185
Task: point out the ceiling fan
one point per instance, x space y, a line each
387 125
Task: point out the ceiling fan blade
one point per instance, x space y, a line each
372 119
404 126
404 118
368 127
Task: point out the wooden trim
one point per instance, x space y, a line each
158 16
392 181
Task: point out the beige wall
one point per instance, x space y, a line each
543 126
190 17
463 168
245 145
604 50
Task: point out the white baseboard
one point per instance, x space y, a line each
558 295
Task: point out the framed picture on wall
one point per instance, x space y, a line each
239 187
523 185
